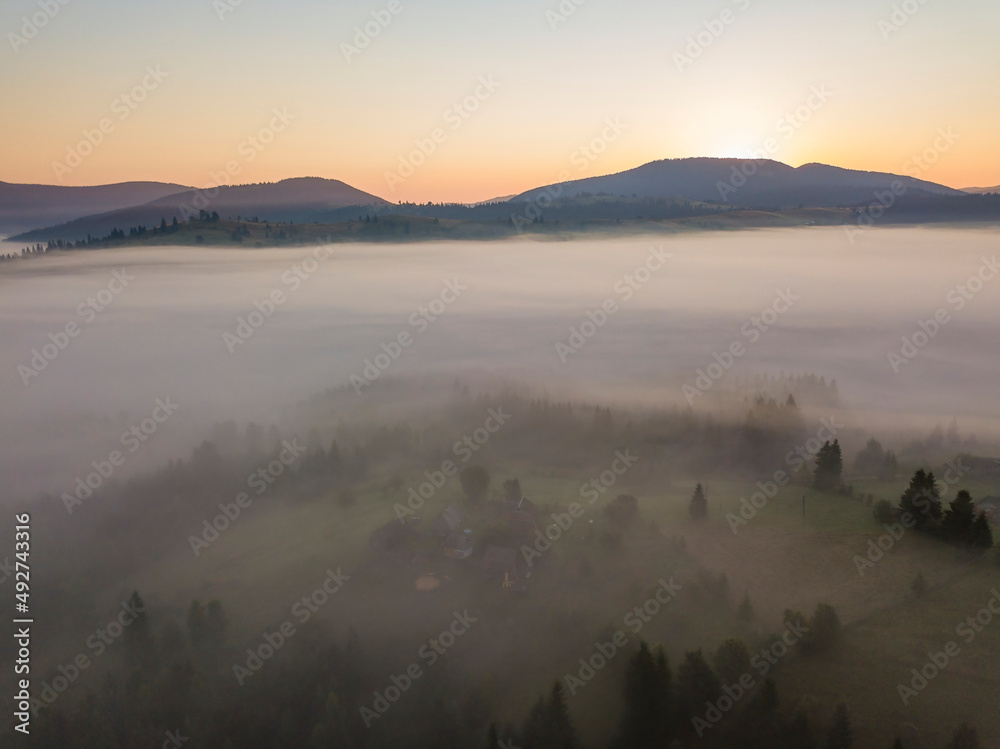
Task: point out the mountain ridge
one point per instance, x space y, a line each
749 183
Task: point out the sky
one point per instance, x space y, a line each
439 100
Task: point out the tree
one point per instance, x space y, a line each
922 499
732 660
196 623
919 585
965 737
956 527
884 512
492 737
745 610
889 467
549 725
824 630
699 504
799 733
215 623
982 535
869 460
646 722
697 684
829 466
840 736
475 483
138 637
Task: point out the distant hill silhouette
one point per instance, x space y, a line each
667 189
24 207
302 200
981 190
771 185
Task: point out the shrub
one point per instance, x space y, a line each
884 512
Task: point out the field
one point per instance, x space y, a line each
581 591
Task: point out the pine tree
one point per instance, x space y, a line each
563 734
824 630
889 467
922 499
215 623
492 737
745 610
138 637
829 466
840 736
697 684
196 623
648 709
958 520
799 733
732 660
869 460
548 725
699 504
982 535
965 737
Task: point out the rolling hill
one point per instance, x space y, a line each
771 184
299 200
24 207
